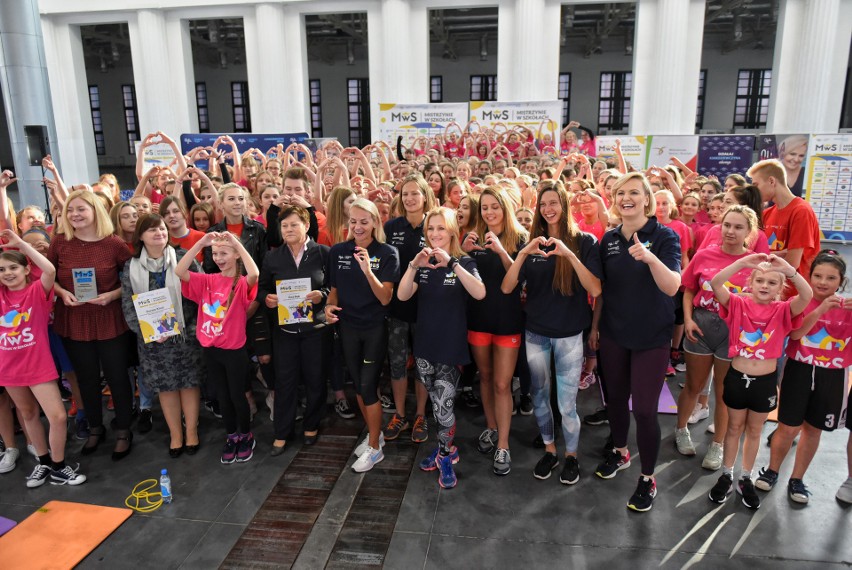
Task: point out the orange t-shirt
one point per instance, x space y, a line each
236 229
794 226
187 241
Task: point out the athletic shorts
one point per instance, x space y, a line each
678 301
475 338
400 334
714 341
755 393
813 394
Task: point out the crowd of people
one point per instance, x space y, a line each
499 257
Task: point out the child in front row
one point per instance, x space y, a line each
223 300
758 323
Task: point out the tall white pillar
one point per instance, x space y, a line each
75 137
163 73
528 50
809 70
277 68
398 45
666 66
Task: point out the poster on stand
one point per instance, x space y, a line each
423 120
659 149
633 149
723 155
792 151
829 184
245 141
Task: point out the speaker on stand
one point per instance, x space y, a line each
38 147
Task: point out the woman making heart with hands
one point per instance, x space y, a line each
562 268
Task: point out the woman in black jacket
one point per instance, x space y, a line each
297 271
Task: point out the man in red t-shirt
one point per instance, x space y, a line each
790 223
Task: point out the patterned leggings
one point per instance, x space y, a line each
441 382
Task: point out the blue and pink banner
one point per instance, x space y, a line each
723 155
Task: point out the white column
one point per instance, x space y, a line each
528 50
163 73
63 50
666 66
809 70
276 64
398 45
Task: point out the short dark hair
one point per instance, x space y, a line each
298 210
144 224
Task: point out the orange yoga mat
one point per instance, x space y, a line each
58 535
773 415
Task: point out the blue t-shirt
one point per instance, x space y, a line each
636 313
549 312
408 241
441 319
497 313
360 307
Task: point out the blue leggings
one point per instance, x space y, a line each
568 355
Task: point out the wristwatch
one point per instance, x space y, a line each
452 262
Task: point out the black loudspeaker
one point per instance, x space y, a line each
38 145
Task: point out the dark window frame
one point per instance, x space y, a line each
751 108
201 102
436 89
565 96
483 87
97 119
240 106
358 110
315 97
702 97
619 88
131 116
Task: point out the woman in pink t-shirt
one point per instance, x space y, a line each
813 391
27 370
223 301
757 325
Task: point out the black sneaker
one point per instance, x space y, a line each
67 476
723 487
643 497
608 445
798 491
526 407
570 471
213 407
766 479
39 476
145 423
745 487
599 418
341 407
614 463
470 399
545 466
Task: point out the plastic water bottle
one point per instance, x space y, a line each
166 486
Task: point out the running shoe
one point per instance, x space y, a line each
798 491
229 451
245 448
526 407
699 413
82 431
844 493
722 489
502 462
428 464
670 371
614 463
72 411
643 497
545 466
396 426
487 441
39 476
365 443
570 471
587 380
713 457
766 479
470 399
683 442
420 431
446 476
367 460
9 459
341 407
745 488
599 418
67 476
388 406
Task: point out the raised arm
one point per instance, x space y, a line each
7 178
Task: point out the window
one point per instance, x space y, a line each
436 89
483 87
131 122
359 111
97 120
565 96
240 104
846 109
616 89
699 107
201 103
316 108
752 105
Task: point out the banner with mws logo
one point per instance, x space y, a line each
527 114
633 149
411 121
829 184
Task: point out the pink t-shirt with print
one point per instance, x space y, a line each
713 238
25 358
827 344
756 331
219 325
703 267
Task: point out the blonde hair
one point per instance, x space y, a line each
513 232
771 168
673 213
225 187
115 215
751 219
116 189
370 208
336 220
452 224
650 209
103 225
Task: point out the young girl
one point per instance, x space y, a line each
443 277
467 214
201 217
267 195
757 326
813 389
124 216
26 367
525 218
223 299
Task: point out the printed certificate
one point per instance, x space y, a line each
156 314
292 306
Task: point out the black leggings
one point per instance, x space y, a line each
89 357
299 358
639 374
364 352
226 372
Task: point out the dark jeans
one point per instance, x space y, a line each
300 358
89 357
364 352
638 374
226 372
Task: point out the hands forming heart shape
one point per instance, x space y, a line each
433 258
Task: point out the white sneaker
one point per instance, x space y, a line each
713 458
844 493
67 476
9 459
32 450
39 476
711 428
683 441
365 443
699 413
368 460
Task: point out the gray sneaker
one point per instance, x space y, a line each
683 441
713 458
502 462
844 493
487 441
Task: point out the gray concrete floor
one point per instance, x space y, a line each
487 521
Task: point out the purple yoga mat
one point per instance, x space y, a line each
667 404
6 525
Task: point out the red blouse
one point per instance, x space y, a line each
88 321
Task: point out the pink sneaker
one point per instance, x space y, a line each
587 380
670 371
